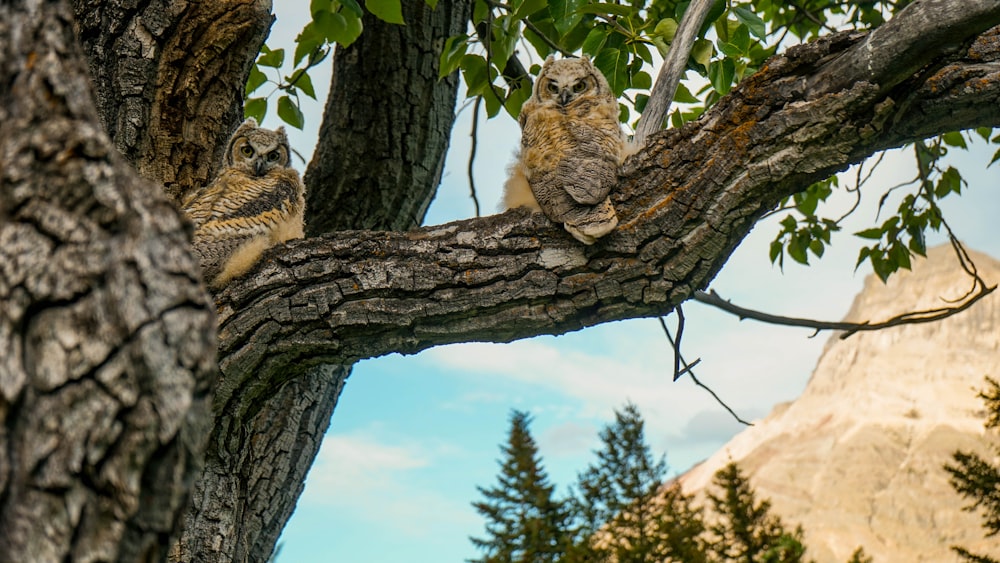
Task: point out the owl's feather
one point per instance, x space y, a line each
255 203
571 149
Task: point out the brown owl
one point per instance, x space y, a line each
571 149
256 202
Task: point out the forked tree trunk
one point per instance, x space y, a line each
107 339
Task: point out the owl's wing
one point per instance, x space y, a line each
590 170
217 239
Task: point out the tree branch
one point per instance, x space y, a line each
684 202
663 91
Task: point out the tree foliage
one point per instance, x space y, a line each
978 479
524 522
622 510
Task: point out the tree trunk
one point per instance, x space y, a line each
393 143
386 124
108 340
169 78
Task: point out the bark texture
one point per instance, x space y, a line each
684 202
393 143
108 348
386 124
108 341
169 78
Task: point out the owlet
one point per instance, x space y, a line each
571 149
256 202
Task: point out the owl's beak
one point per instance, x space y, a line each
564 96
259 166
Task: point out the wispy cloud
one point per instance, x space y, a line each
375 481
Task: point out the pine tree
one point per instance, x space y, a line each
524 523
622 493
745 530
979 480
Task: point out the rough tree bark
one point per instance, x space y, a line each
107 337
99 309
383 141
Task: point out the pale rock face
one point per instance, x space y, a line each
857 459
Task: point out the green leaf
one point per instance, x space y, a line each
300 79
290 113
642 80
954 139
612 63
640 102
816 246
320 6
684 96
480 11
605 9
873 234
776 250
666 29
518 94
595 40
996 157
308 40
565 15
353 6
390 11
863 254
432 3
494 101
475 72
451 55
529 7
272 58
255 80
255 108
752 21
506 32
701 52
984 132
721 74
797 251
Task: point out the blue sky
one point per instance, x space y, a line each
412 436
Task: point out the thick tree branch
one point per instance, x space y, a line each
685 202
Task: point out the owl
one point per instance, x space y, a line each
571 149
256 202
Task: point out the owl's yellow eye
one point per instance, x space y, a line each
273 156
553 88
246 150
580 86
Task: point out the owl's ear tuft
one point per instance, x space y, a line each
550 59
250 122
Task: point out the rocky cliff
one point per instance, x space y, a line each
857 459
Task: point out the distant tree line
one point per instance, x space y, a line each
621 509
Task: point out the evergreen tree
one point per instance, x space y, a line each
524 522
859 556
978 479
745 530
620 492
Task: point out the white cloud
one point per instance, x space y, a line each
372 481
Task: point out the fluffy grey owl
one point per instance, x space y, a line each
256 202
571 148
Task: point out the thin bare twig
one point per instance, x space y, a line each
914 317
679 361
472 152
